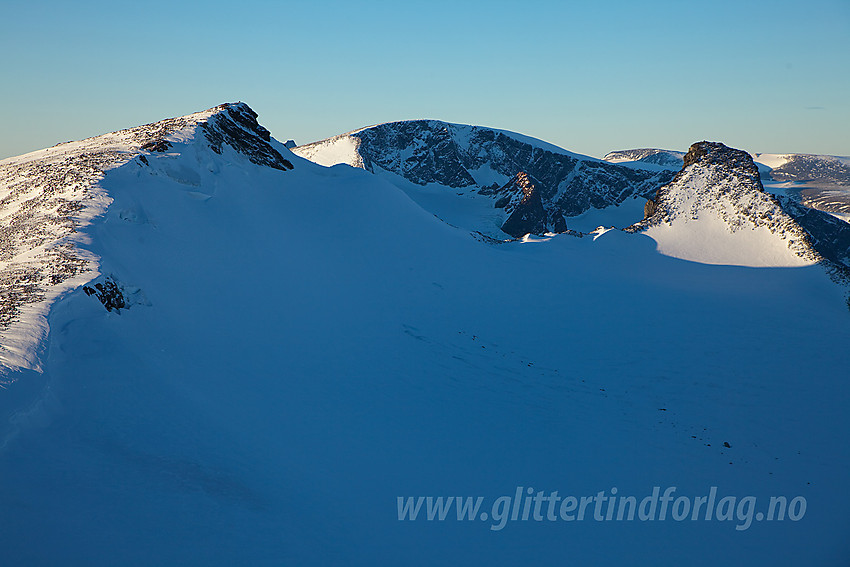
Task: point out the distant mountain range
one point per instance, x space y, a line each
541 189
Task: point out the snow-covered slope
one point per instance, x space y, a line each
716 211
301 347
48 196
464 174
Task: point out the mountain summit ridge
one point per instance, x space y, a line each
484 160
50 195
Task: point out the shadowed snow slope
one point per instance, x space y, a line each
48 195
306 345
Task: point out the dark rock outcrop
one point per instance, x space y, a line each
108 293
157 146
236 125
528 215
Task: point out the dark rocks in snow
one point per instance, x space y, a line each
156 146
290 144
559 224
829 236
236 125
729 172
108 293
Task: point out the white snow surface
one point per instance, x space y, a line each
46 197
710 221
315 345
333 151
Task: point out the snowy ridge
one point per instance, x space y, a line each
47 197
716 211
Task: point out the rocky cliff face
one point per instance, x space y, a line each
236 125
487 161
527 214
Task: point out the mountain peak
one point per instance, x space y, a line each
712 153
51 195
236 124
715 210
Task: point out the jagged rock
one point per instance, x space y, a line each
236 125
290 144
109 294
528 214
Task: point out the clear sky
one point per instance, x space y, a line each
766 76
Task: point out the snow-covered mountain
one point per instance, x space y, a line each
807 168
247 358
816 181
48 196
716 211
647 156
429 159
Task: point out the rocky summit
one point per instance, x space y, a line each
718 193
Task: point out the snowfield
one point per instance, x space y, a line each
304 346
704 233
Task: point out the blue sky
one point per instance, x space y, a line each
768 76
